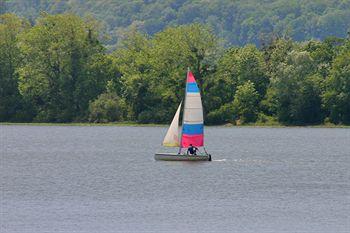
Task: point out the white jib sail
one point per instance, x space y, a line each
172 136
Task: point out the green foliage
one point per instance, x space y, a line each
153 70
64 67
58 71
323 53
239 65
239 22
176 49
245 103
224 114
108 107
235 68
266 120
297 89
12 106
337 95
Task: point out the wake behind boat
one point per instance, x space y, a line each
192 131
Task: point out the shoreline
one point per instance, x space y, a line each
134 124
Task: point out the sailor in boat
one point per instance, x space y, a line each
192 150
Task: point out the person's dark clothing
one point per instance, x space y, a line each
192 150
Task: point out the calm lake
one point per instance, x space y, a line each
105 179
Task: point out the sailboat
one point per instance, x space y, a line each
192 130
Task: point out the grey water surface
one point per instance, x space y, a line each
104 179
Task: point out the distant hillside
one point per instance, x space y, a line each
237 21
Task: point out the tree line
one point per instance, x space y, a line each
57 70
239 22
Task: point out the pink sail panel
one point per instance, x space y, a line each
190 78
195 140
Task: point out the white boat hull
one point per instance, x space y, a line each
181 157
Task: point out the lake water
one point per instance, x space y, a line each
104 179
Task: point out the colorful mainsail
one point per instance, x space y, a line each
192 128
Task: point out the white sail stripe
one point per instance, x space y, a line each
192 103
193 110
193 95
192 123
193 115
199 120
194 107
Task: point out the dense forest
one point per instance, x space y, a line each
237 22
58 70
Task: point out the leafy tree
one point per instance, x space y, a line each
12 107
224 114
276 51
308 102
235 68
297 90
132 58
270 105
245 64
337 96
108 107
176 49
245 103
154 70
324 52
57 76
